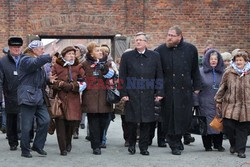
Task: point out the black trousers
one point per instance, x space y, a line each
237 133
125 128
144 134
212 140
64 131
12 129
161 136
174 141
97 123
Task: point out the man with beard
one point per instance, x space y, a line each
181 78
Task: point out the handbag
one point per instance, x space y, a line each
56 107
113 94
198 124
216 123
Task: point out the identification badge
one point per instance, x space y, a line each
15 73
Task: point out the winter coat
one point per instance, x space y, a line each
234 95
32 79
142 82
94 97
68 89
210 83
9 83
181 78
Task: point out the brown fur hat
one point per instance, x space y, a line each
67 49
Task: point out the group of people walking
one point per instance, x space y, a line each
168 78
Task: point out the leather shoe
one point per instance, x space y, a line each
26 155
232 151
126 144
13 148
144 152
131 149
68 147
97 151
39 151
162 144
208 149
176 152
64 153
220 148
241 155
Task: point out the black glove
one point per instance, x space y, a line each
100 67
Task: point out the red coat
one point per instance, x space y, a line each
71 98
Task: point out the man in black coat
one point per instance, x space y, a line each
181 78
8 84
141 72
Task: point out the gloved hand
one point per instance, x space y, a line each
67 87
102 67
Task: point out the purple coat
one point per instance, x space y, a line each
210 84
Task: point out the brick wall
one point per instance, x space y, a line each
226 22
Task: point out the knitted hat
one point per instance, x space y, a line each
226 56
35 44
15 41
67 49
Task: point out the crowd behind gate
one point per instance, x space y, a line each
161 88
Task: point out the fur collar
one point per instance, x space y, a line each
61 62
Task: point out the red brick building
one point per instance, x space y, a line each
226 22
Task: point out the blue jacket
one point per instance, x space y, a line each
32 80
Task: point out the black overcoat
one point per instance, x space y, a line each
181 78
142 79
9 83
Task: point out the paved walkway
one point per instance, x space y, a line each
116 155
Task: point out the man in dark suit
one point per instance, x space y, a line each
141 72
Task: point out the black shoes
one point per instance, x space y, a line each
131 149
241 155
87 138
162 144
220 148
39 151
144 152
82 126
232 150
176 152
97 151
188 139
126 144
64 153
28 155
68 147
13 148
75 135
208 149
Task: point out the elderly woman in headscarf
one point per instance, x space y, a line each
211 74
233 102
227 58
68 72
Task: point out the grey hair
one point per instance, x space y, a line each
142 33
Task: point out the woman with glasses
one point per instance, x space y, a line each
211 74
233 101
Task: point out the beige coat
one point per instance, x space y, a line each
234 95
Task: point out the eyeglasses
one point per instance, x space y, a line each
171 35
139 40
